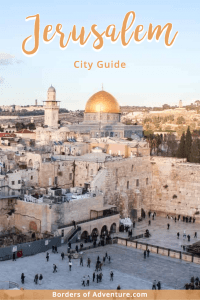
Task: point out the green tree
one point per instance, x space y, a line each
188 144
195 151
181 147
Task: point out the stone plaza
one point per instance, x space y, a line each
131 270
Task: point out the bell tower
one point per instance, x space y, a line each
51 109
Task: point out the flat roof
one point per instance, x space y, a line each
104 208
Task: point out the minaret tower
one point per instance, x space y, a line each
51 109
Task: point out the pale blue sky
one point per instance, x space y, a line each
154 74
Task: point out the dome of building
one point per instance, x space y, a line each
102 102
51 89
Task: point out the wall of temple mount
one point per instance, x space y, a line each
125 183
175 186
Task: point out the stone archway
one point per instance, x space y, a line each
30 163
84 235
113 228
32 226
95 233
104 230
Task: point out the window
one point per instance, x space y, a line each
56 180
19 181
116 172
147 181
31 177
13 183
70 176
132 168
127 185
137 182
62 232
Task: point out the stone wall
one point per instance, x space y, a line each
175 186
119 184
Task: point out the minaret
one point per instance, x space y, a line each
51 109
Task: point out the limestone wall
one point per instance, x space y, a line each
175 186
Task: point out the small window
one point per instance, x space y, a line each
31 177
132 168
147 181
127 185
70 176
62 232
116 172
13 183
19 181
137 182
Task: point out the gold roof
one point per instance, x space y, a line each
102 102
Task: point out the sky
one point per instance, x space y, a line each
154 74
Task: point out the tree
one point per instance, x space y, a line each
195 151
181 147
188 144
180 120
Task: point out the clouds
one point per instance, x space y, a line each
8 59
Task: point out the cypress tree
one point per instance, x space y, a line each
188 144
181 147
195 152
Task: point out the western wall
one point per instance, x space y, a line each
175 187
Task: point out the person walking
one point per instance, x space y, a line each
88 280
104 259
54 268
36 279
149 222
40 279
47 256
93 276
118 287
56 249
14 258
148 252
111 275
22 278
109 259
145 254
83 281
168 225
88 262
62 255
154 285
178 234
188 238
97 278
76 248
70 265
81 261
159 285
53 249
106 255
195 235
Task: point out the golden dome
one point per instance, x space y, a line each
102 102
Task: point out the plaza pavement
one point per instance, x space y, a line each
130 268
160 236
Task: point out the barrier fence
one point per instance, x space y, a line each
159 250
28 249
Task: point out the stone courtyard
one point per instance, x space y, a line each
130 268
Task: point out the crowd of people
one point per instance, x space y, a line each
194 284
